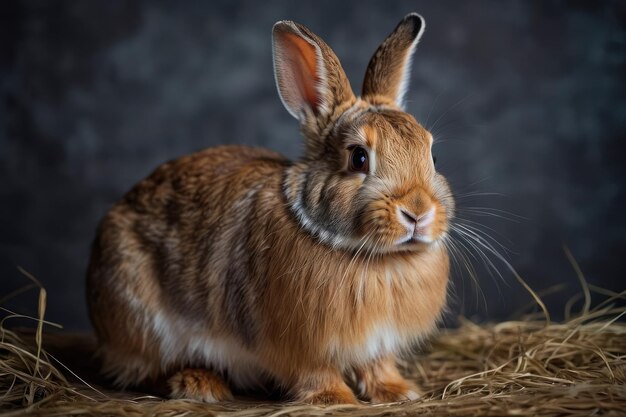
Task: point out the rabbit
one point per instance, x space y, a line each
235 266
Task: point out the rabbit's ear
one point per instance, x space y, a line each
389 70
310 80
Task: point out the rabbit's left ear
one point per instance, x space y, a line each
388 72
309 77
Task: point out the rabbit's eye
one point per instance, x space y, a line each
359 160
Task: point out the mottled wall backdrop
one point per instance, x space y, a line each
526 100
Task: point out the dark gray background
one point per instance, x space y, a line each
527 99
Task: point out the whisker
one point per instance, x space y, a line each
479 193
432 108
484 234
494 210
476 224
481 213
448 111
475 251
453 128
458 252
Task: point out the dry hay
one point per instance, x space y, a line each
526 367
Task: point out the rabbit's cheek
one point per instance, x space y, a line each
443 194
440 225
375 220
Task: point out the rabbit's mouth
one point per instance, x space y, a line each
416 240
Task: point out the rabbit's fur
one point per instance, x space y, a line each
233 265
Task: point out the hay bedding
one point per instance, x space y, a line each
517 368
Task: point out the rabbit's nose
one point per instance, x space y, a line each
408 217
424 221
419 225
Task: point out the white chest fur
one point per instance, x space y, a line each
380 341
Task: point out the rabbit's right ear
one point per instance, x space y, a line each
389 69
311 82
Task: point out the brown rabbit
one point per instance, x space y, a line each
233 265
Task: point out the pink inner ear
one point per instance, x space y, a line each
303 61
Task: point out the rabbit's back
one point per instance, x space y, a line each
162 262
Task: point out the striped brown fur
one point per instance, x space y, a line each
237 262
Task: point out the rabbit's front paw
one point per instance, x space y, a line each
331 396
391 392
324 386
199 384
380 382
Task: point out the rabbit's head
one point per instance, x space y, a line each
368 178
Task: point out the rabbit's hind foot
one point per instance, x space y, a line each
199 384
